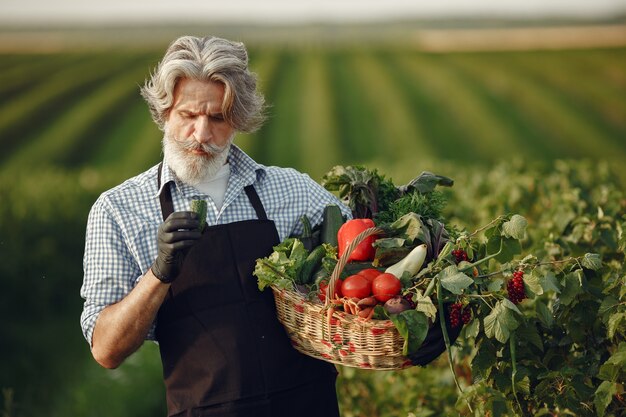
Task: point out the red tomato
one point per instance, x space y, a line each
386 286
322 293
356 286
370 273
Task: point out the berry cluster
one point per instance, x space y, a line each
460 255
515 287
458 314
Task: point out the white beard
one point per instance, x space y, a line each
190 168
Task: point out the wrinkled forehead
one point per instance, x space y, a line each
194 92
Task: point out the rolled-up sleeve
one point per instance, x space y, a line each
110 271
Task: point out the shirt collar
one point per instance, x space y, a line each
241 165
245 167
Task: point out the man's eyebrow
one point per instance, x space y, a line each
186 110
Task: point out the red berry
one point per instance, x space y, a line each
460 255
515 287
455 315
466 315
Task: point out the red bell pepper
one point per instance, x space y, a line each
346 234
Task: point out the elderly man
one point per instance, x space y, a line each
150 273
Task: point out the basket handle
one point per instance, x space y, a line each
343 260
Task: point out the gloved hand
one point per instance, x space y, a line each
175 235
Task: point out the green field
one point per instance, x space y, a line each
330 105
72 124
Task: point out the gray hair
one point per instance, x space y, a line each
207 59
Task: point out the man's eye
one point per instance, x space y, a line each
217 118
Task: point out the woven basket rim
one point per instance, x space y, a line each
339 313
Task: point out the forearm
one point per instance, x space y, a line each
122 327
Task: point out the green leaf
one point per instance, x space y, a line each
506 248
615 366
406 279
619 357
409 227
515 228
615 323
500 322
498 408
426 182
572 287
607 305
530 335
484 360
495 285
604 396
549 282
509 304
473 328
510 248
523 385
412 325
544 314
389 242
453 280
592 261
532 282
425 305
386 256
563 217
281 267
609 372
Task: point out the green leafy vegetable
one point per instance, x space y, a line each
365 191
282 266
428 205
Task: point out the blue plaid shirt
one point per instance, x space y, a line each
122 226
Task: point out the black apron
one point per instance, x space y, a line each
222 348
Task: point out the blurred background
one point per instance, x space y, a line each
467 89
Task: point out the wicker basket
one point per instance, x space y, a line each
340 338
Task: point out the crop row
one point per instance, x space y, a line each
331 106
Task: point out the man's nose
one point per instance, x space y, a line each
202 131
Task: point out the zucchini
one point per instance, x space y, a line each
307 236
310 265
200 207
331 222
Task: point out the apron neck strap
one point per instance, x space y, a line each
256 202
167 205
165 197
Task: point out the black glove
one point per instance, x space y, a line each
434 344
176 234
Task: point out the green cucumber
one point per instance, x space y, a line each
310 265
200 207
306 237
331 222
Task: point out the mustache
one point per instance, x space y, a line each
192 145
209 148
